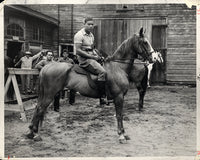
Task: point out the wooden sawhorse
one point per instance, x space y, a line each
12 78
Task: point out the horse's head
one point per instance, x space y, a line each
157 57
143 46
132 47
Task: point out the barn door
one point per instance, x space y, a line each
159 44
109 34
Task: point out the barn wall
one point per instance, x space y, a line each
180 37
61 12
181 33
27 22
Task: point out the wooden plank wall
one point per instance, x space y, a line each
112 32
64 17
181 31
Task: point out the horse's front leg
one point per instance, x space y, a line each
141 87
118 101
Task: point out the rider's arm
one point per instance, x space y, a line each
82 53
40 65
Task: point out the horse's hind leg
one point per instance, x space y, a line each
72 95
142 87
142 92
45 98
38 116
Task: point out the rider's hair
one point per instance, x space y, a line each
88 19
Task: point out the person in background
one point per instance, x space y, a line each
42 63
35 77
26 63
55 55
66 58
39 66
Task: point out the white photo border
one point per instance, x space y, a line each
23 2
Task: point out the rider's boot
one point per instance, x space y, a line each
102 92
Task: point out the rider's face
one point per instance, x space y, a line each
89 25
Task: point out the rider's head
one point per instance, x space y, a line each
49 55
88 24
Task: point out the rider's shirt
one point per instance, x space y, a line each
86 41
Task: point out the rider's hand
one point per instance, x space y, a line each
96 58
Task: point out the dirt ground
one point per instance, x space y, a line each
166 127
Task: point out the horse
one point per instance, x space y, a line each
140 75
55 76
157 56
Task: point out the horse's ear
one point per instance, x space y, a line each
141 32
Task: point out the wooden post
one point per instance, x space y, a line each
12 78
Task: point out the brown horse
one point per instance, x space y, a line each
140 75
55 76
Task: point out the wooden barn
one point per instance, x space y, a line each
171 29
26 29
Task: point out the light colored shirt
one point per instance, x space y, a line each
87 40
26 63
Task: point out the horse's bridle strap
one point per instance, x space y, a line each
119 61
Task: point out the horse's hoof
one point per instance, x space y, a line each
31 127
37 138
122 139
30 135
140 109
127 137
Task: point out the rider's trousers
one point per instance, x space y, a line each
95 68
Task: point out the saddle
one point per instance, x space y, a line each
92 78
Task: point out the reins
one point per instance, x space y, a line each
121 60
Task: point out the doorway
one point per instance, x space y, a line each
159 43
13 49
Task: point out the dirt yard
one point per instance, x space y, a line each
166 127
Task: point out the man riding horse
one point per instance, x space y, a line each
87 55
55 76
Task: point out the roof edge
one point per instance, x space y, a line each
34 13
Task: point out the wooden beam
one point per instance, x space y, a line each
19 71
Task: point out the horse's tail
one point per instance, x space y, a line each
40 88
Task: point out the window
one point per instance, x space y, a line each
38 34
15 30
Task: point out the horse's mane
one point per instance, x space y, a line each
125 46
